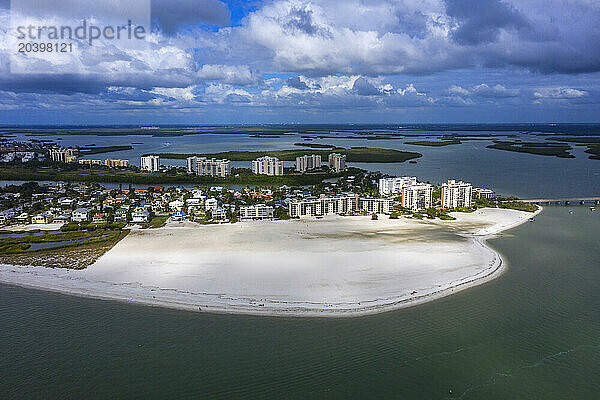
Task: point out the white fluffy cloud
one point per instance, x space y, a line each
558 93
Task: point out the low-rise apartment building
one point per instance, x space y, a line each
255 212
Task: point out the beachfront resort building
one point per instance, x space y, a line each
258 211
208 166
345 204
267 166
375 205
63 155
150 163
456 194
322 206
390 186
308 162
480 193
417 197
337 162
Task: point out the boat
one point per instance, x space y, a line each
570 211
531 219
592 208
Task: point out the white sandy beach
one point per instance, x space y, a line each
337 266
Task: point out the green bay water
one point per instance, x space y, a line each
533 333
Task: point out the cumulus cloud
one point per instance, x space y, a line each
327 54
558 93
484 90
231 74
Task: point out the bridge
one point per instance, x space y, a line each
567 201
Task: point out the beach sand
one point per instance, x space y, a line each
336 266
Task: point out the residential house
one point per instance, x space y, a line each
219 214
42 219
99 218
211 203
80 215
140 215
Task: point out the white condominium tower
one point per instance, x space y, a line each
150 163
388 186
456 194
267 166
308 162
417 197
208 167
63 155
337 162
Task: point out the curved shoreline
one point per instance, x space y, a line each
68 282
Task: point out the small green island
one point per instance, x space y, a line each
543 149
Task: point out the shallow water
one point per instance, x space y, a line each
533 333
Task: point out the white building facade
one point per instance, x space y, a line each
322 206
480 193
456 194
389 186
308 162
267 166
150 163
256 212
375 205
208 167
417 197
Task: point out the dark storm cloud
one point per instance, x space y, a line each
173 15
90 83
480 21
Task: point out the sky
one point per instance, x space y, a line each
319 61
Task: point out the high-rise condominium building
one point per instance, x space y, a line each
308 162
208 167
63 155
267 166
417 197
150 163
456 194
337 161
389 186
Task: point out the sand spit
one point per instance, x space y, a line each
338 266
